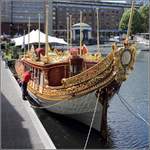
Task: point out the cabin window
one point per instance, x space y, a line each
41 79
76 65
56 74
37 75
27 68
31 73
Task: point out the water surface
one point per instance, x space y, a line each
127 131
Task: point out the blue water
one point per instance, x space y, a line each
126 131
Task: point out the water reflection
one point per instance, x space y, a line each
67 133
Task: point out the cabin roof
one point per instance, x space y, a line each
82 25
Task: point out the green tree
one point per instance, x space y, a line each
144 11
136 26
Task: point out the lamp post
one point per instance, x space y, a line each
29 35
81 33
10 27
18 29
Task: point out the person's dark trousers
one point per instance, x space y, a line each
24 90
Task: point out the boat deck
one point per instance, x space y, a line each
20 126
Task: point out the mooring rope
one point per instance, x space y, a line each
130 109
87 139
49 106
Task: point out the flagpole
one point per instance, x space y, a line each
70 31
98 44
130 20
39 31
46 31
28 34
24 43
81 38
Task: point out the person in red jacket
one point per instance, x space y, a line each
84 49
26 78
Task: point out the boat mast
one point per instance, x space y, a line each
67 32
98 44
29 34
46 31
24 43
81 37
39 31
70 31
130 20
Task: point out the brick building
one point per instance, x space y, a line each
15 14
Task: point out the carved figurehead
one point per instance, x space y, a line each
124 59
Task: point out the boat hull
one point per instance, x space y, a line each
80 109
74 96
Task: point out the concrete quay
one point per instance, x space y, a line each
20 126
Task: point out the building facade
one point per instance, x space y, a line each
16 13
109 16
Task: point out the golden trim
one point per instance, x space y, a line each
97 77
92 72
